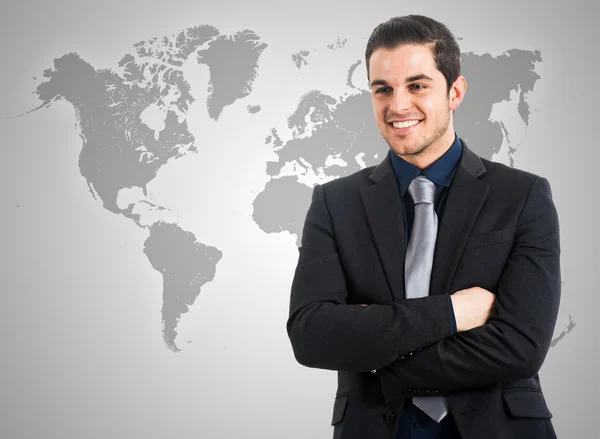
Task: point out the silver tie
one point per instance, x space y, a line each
417 268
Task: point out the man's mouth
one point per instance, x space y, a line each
404 125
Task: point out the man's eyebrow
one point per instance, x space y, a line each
378 82
419 77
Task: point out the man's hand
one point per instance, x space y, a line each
472 307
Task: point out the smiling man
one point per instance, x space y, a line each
412 102
430 282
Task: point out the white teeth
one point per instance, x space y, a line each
407 124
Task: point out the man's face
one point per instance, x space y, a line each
407 87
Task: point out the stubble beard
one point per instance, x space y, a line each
422 144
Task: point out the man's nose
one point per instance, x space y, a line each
401 102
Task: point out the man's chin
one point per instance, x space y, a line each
408 150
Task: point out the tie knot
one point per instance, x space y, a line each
422 190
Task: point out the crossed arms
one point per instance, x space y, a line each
326 332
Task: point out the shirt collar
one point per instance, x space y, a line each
440 172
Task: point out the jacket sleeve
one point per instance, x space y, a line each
329 333
514 341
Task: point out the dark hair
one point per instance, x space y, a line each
418 29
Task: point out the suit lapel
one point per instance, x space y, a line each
384 213
466 195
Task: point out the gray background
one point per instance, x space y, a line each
82 351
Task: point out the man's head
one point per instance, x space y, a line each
413 67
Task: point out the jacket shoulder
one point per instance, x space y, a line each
499 172
352 182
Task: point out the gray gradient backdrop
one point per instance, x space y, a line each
80 309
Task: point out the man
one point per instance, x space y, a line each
430 282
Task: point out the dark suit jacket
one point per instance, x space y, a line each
500 232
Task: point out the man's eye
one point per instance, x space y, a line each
382 90
417 86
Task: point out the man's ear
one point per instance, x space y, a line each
457 92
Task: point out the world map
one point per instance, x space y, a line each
134 119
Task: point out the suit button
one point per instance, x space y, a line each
418 423
390 417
